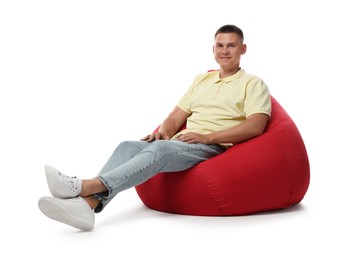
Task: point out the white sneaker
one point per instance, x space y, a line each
74 212
62 186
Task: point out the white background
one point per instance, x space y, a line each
78 77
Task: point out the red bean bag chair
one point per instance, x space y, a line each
268 172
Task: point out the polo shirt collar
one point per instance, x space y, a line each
238 74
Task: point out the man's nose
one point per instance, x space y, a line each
225 50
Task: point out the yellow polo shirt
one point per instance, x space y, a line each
218 104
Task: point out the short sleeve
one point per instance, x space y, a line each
185 101
257 99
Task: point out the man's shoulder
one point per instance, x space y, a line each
251 76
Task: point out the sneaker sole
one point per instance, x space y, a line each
56 212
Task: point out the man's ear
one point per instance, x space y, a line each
244 49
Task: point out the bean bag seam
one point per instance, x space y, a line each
209 194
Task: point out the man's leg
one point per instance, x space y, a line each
159 156
123 153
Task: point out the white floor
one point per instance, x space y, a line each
128 230
62 102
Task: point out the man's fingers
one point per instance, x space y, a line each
155 136
151 137
145 138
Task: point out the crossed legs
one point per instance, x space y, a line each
133 162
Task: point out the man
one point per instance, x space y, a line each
221 108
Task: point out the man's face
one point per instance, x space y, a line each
228 50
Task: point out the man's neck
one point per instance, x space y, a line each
229 72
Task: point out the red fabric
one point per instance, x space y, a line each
265 173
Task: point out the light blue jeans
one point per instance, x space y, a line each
134 162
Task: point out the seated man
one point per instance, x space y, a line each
220 108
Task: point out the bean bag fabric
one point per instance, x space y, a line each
265 173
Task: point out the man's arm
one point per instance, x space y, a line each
170 125
253 126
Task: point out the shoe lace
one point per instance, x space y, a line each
68 181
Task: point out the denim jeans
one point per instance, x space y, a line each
134 162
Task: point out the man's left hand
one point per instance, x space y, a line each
192 138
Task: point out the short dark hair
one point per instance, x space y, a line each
229 28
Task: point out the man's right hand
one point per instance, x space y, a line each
155 136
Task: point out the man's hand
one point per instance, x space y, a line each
155 136
192 138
